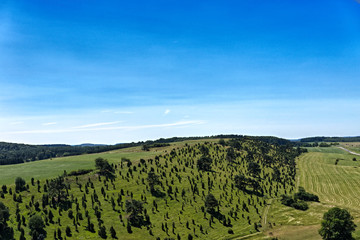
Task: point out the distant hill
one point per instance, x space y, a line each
90 145
331 139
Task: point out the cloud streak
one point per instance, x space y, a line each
98 124
126 128
49 123
116 112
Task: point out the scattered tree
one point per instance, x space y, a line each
337 224
36 225
135 209
204 163
68 231
254 168
5 231
240 181
104 167
20 184
113 232
153 181
211 203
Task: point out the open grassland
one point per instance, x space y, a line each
54 167
352 146
336 185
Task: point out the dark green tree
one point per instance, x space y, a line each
204 163
20 184
113 232
153 180
57 190
68 231
204 150
104 167
5 231
222 142
145 147
37 225
211 203
4 189
102 232
230 154
337 224
241 181
135 209
254 168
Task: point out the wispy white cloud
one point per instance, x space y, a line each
116 112
98 124
126 128
49 123
123 112
167 111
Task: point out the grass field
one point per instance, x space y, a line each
352 146
336 185
54 167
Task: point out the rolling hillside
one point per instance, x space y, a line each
187 173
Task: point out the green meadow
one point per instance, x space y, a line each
54 167
336 185
329 172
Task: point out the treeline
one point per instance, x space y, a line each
316 144
331 139
13 153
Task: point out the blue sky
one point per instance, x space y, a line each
119 71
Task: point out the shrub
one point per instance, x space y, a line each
300 205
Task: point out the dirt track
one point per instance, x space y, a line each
357 154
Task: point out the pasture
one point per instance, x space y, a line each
352 146
336 185
51 168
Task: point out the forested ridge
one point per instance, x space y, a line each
14 153
331 139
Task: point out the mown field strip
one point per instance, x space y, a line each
352 184
334 184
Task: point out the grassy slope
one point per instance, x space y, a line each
229 198
352 146
336 185
53 167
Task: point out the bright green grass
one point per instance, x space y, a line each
54 167
326 150
229 196
336 185
352 146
